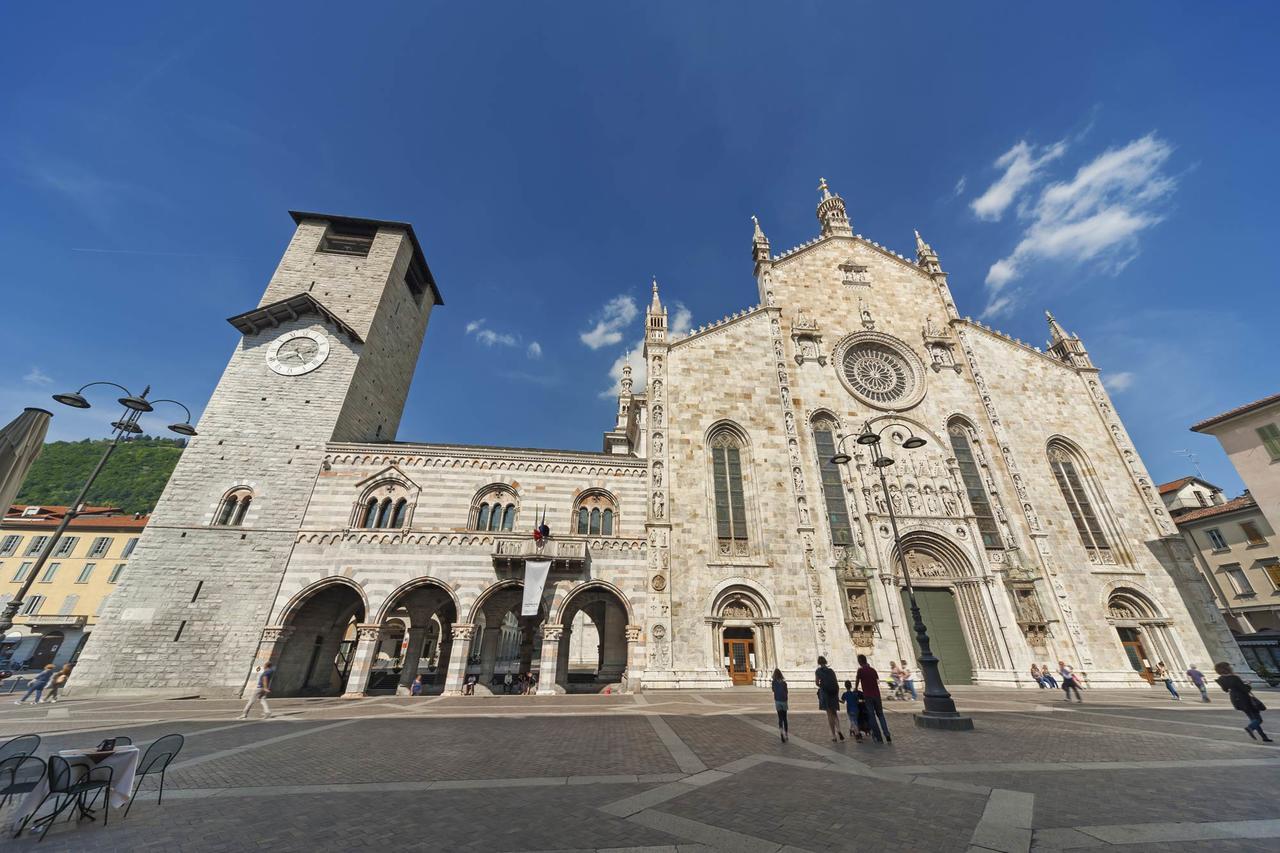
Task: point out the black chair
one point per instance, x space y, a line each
123 740
14 756
156 760
66 791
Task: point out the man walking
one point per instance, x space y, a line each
909 680
37 684
1197 678
868 681
260 694
1069 682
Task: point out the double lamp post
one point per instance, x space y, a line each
939 708
135 406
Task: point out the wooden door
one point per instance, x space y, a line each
946 635
741 654
1131 640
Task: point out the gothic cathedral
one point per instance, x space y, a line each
733 522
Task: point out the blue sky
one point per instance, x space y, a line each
1115 165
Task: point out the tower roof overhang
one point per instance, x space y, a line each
419 259
290 308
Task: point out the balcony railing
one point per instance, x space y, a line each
570 554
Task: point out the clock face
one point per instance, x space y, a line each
296 353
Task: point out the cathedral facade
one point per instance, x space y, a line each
732 523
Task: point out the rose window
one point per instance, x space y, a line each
881 373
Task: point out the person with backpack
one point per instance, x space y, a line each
829 696
1242 699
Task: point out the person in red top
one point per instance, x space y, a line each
868 681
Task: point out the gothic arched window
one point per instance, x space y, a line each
482 519
369 517
962 447
235 504
730 502
1072 477
824 440
494 509
595 512
401 510
509 517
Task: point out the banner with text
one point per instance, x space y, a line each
535 578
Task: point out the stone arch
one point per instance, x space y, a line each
593 651
320 627
404 588
427 609
743 637
558 609
300 597
1143 629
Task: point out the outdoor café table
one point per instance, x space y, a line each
123 762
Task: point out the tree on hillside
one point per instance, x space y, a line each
132 480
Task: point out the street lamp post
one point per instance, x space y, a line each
126 425
939 708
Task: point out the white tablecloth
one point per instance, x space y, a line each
123 762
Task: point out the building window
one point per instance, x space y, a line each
235 505
1216 540
128 548
1083 514
348 241
387 513
69 605
1201 498
21 573
66 545
1252 533
49 572
100 547
730 503
974 487
595 513
86 573
115 573
1272 568
32 605
1239 580
1270 435
494 509
9 545
34 546
832 486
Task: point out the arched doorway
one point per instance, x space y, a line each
46 650
1143 632
742 635
593 645
504 641
416 639
950 598
320 645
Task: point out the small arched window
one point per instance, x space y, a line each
482 519
401 511
726 473
595 512
962 447
494 509
1072 477
369 518
509 517
235 505
384 513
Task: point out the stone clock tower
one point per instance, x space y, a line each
328 355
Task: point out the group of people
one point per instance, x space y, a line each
49 677
902 680
861 698
1071 680
521 683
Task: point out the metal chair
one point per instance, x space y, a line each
66 791
13 757
156 760
19 774
123 740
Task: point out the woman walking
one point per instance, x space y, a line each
37 685
1162 673
828 696
1069 682
1242 699
779 685
58 681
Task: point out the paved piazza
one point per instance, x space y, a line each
666 771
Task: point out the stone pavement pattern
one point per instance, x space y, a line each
679 771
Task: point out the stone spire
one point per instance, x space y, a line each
1066 347
926 257
655 322
831 212
626 376
760 248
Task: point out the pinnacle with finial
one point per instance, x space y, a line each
822 188
758 237
1055 329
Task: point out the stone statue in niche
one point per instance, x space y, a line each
859 607
948 503
659 506
657 475
768 298
790 421
804 511
913 501
657 443
657 365
865 314
895 497
657 389
880 507
657 415
797 479
931 501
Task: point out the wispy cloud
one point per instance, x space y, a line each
1022 164
493 338
36 376
1121 381
534 350
960 185
1096 216
613 317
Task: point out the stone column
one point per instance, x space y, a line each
551 635
269 648
368 639
412 655
463 633
631 676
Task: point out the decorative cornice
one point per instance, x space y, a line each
397 453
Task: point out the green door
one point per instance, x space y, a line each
946 637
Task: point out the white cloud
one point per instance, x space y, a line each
36 376
639 371
1022 164
616 314
534 350
489 337
1118 382
960 185
474 325
1094 217
681 320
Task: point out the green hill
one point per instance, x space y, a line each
133 479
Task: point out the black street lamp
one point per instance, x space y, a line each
939 708
126 425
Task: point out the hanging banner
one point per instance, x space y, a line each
535 578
